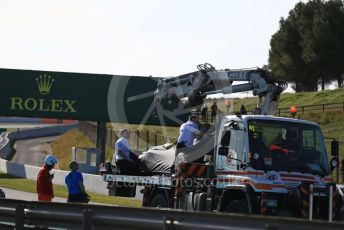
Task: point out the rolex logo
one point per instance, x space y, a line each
44 83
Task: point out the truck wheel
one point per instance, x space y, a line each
237 206
158 201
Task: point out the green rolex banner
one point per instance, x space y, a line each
79 96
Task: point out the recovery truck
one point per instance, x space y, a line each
254 164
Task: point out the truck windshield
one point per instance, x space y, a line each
287 146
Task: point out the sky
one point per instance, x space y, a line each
137 37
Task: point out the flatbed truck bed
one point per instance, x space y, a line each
164 181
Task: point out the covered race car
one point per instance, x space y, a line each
159 160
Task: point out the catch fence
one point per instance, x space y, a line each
139 140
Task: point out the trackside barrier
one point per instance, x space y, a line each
25 214
308 194
93 183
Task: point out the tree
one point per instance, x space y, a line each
308 46
328 30
285 58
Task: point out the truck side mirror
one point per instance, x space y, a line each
334 148
223 151
334 163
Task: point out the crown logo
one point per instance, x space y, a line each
44 83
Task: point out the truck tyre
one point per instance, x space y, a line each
237 206
159 201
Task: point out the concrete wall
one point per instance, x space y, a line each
93 183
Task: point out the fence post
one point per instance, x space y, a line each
19 216
110 138
330 202
101 132
343 106
129 137
115 136
147 139
87 220
303 109
310 202
138 140
155 139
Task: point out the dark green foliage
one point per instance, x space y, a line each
309 46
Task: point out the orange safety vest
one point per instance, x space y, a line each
276 147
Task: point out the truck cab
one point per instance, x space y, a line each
266 164
271 144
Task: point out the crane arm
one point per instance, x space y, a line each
189 90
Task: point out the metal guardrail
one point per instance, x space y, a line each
25 214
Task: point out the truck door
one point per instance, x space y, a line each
233 138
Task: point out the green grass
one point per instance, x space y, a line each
12 182
62 147
332 126
289 99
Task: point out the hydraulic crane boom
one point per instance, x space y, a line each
190 90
